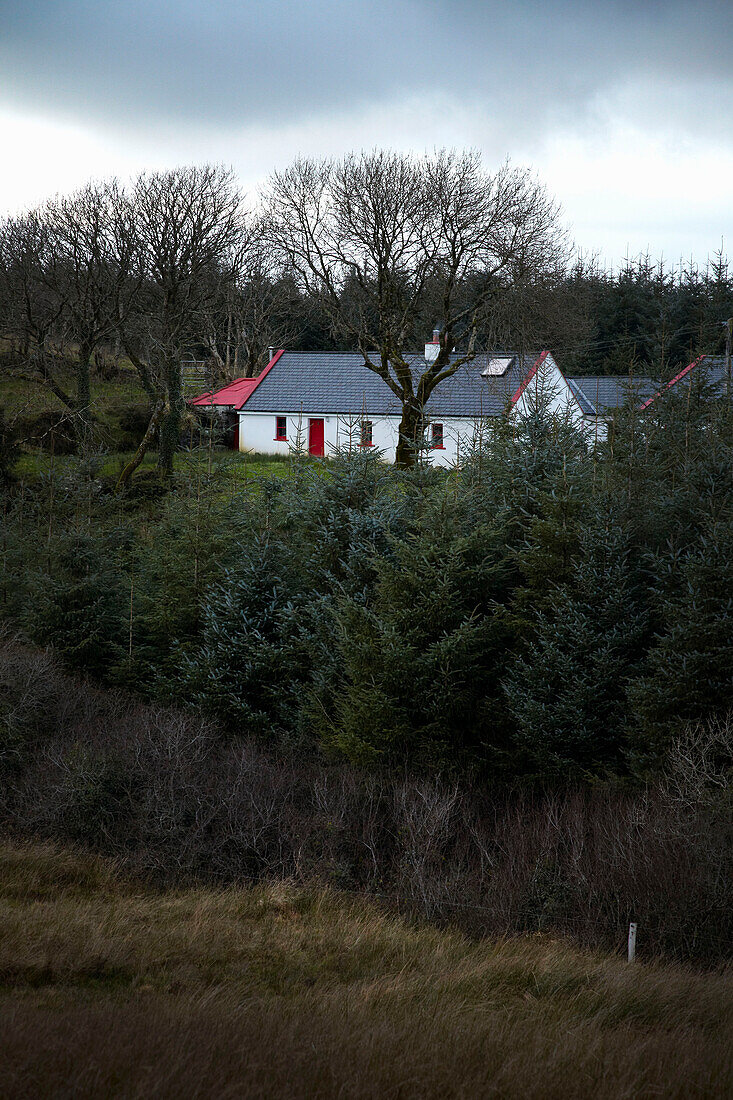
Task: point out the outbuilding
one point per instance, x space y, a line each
223 407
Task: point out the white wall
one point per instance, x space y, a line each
257 433
549 386
595 428
458 437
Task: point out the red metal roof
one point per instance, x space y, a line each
235 394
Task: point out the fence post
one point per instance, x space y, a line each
632 942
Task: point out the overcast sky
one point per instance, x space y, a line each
623 107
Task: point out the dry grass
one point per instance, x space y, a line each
108 988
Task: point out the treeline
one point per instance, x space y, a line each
649 318
368 253
545 611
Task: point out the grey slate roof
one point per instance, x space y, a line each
600 395
340 383
709 369
712 368
715 367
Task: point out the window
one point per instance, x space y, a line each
366 434
437 440
281 427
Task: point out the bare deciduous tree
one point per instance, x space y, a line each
29 311
189 229
392 244
253 311
91 271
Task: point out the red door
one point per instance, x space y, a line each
315 437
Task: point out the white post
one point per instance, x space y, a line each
632 942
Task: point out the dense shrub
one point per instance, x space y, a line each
546 609
163 790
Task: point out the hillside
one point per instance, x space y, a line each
110 988
116 387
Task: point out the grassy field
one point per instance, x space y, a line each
23 398
109 988
231 465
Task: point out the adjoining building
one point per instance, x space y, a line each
223 405
601 396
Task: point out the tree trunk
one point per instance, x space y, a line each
145 442
409 437
170 428
42 371
83 392
143 370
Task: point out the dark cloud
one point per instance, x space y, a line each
208 60
235 62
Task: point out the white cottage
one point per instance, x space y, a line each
329 400
323 401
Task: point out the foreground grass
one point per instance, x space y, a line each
109 988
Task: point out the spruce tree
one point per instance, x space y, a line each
78 607
566 691
689 674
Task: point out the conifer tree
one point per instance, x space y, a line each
248 664
689 676
567 690
78 606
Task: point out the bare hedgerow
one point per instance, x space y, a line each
34 700
424 819
164 791
700 762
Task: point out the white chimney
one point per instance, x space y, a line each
432 350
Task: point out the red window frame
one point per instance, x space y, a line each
281 429
437 437
366 434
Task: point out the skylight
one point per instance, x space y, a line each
496 367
